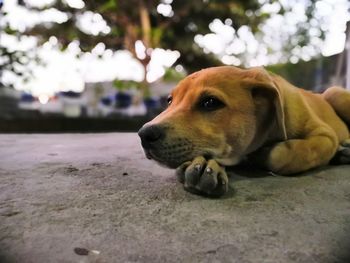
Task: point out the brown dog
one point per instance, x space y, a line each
218 116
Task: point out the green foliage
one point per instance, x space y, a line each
132 20
15 61
173 32
108 6
126 84
171 75
295 73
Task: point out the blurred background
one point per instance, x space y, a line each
108 65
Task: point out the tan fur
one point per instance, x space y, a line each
285 129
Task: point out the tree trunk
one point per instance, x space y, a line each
145 35
145 24
146 39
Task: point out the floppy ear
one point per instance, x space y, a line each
263 86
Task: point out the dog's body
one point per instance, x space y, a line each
218 116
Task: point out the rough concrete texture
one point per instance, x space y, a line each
95 198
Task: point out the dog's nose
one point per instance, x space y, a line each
150 135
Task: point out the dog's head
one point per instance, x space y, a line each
222 113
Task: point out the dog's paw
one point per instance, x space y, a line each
342 155
203 177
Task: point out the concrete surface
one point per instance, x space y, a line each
95 198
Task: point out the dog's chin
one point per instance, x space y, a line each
169 161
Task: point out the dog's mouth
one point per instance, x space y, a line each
171 160
175 159
172 154
151 156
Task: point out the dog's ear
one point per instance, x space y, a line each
263 87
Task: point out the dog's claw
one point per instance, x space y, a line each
203 177
180 172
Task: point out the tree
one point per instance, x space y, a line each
11 60
140 20
169 24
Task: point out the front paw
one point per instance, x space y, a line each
203 177
342 156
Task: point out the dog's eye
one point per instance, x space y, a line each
211 104
170 99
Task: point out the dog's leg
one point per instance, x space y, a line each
339 99
297 155
203 177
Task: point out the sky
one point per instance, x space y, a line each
64 71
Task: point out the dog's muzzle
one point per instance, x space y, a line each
151 139
169 151
151 135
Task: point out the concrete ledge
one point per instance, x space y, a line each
56 124
95 198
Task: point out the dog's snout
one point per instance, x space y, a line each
150 135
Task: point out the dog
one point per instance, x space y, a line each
220 116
